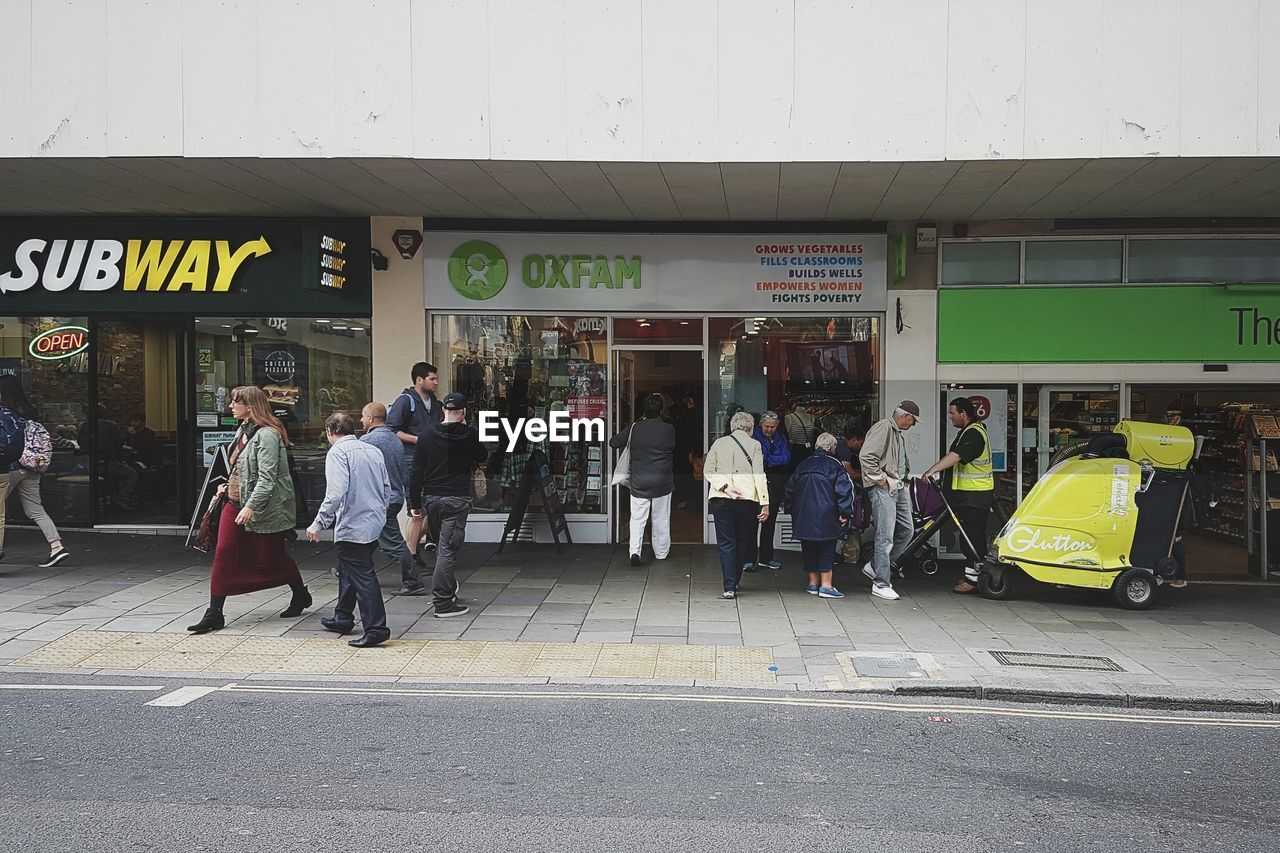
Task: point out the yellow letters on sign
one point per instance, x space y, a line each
150 267
148 264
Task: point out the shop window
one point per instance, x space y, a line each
981 263
1074 261
1227 260
309 367
524 366
821 374
651 331
50 355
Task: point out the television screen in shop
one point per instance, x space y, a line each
827 366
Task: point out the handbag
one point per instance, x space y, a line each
479 484
622 468
207 538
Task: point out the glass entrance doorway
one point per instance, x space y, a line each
671 373
136 432
1063 415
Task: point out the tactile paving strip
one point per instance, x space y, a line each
215 653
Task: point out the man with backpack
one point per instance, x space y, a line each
412 415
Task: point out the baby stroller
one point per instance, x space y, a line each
929 512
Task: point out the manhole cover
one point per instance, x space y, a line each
1044 661
887 667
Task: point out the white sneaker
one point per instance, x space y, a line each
869 572
886 592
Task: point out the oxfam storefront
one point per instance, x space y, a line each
530 324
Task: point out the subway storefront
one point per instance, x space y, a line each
128 335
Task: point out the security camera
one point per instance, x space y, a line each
380 262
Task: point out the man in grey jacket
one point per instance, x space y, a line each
651 458
357 492
884 473
391 540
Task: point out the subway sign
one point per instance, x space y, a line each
60 342
263 267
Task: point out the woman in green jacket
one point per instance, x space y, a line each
251 554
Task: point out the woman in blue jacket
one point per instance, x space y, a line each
820 495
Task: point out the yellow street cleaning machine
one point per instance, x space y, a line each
1105 518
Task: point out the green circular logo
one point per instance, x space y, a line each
478 270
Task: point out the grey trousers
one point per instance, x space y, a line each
391 542
448 515
27 484
891 514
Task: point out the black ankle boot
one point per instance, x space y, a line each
212 621
300 602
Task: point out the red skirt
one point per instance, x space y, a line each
247 562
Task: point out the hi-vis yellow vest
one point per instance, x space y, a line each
977 475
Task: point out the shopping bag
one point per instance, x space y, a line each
622 468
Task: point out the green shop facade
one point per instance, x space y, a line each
1067 336
128 335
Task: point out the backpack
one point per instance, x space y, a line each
37 449
12 437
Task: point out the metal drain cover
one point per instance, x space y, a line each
1046 661
899 666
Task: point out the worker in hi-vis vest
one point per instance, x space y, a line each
971 487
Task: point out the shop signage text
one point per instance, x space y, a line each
1023 539
151 265
62 342
589 273
1253 328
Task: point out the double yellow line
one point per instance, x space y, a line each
983 710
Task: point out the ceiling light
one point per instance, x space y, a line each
324 321
226 325
357 328
339 328
684 322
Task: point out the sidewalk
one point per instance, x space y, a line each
122 604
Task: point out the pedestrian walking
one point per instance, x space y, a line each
739 496
391 540
970 486
356 495
250 553
25 478
412 414
884 472
777 469
440 490
820 497
652 444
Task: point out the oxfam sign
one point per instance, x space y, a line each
478 271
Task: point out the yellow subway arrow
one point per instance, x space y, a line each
229 263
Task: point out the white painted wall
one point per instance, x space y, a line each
629 80
911 369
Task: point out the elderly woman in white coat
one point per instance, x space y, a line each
739 499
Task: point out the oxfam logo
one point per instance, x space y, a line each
478 270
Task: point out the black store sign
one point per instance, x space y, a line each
197 266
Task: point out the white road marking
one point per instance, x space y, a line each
797 702
181 696
121 687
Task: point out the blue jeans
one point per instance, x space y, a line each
391 543
358 584
736 527
891 514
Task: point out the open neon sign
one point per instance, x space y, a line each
62 342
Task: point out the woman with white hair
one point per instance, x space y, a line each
820 495
739 501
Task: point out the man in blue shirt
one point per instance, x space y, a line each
777 470
412 415
391 540
357 492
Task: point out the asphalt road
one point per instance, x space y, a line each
491 769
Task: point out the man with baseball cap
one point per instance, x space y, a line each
440 490
884 472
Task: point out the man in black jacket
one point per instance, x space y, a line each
440 490
653 442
